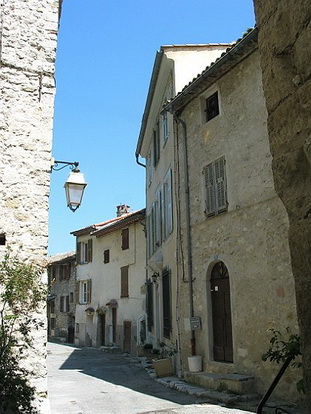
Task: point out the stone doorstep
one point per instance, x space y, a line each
233 383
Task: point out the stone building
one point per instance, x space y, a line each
111 256
174 67
284 40
28 33
61 303
242 283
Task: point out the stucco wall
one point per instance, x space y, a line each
28 46
106 284
251 238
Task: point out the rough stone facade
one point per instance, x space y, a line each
284 43
27 55
61 305
248 235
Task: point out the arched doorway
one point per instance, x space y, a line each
221 313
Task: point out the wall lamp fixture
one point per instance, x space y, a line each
154 277
75 184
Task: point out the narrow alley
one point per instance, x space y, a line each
89 381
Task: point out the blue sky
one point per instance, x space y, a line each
106 51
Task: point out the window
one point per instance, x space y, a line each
165 126
149 167
166 289
71 297
212 107
84 252
149 305
85 291
125 239
52 322
124 282
64 304
52 306
106 256
156 145
167 211
64 271
2 239
215 187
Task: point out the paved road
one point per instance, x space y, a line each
89 381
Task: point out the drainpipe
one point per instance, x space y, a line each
138 162
188 229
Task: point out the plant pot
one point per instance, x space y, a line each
163 367
195 363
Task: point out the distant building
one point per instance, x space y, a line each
111 281
61 305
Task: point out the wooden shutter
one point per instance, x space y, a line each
221 187
210 196
106 256
166 289
149 306
77 292
125 239
79 258
169 203
89 250
67 304
124 282
89 291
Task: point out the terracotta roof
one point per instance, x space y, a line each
112 224
228 59
123 221
92 227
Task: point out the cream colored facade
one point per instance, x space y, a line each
250 237
110 308
174 67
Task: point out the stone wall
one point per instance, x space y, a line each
28 48
284 42
250 238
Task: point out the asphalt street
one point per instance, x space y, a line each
89 381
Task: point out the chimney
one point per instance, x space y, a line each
122 209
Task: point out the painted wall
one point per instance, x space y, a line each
251 238
106 285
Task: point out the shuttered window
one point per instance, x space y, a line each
106 256
85 291
166 289
156 144
149 306
85 252
215 187
125 244
124 282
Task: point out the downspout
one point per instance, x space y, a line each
138 162
188 228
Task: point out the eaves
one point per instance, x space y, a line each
124 222
229 59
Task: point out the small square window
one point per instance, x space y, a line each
2 239
212 106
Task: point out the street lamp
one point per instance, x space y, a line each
75 184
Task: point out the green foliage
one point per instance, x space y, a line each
280 350
21 294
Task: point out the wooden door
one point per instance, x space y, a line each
127 336
221 311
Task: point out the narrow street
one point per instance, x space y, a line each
89 381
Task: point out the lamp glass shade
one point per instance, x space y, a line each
74 188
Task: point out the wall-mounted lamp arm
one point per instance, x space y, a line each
55 165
